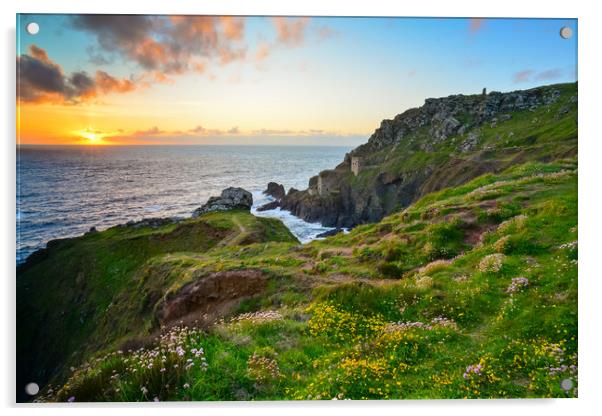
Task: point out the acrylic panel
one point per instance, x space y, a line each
220 208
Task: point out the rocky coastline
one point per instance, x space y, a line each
403 160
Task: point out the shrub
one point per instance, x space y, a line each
492 263
517 284
263 367
444 240
390 269
424 282
516 223
140 375
434 266
502 244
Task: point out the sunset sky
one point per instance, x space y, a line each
101 79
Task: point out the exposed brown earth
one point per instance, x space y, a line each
212 295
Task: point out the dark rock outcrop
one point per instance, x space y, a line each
231 198
275 190
269 206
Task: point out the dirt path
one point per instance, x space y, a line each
345 278
236 235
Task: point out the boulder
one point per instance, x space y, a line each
275 190
470 143
231 198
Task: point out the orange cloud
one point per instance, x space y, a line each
229 55
40 80
263 52
107 83
39 54
234 27
172 45
290 30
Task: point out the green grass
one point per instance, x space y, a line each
336 335
470 291
89 292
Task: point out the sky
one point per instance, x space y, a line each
127 80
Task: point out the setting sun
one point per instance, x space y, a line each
91 136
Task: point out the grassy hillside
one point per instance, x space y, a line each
87 293
469 292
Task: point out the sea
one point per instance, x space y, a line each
63 191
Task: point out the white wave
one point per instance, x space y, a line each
303 230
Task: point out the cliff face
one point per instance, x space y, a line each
444 143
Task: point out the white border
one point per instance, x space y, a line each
590 231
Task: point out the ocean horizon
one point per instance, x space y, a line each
64 190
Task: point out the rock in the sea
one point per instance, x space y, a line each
329 233
231 198
269 206
275 190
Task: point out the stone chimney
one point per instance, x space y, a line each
484 91
356 165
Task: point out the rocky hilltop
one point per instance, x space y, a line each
230 198
444 143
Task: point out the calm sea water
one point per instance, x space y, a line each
63 191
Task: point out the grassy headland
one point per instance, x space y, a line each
470 291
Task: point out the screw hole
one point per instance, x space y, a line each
566 32
32 28
32 389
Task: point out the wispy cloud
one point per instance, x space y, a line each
325 32
527 75
153 131
549 74
289 132
200 131
269 132
522 76
476 25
